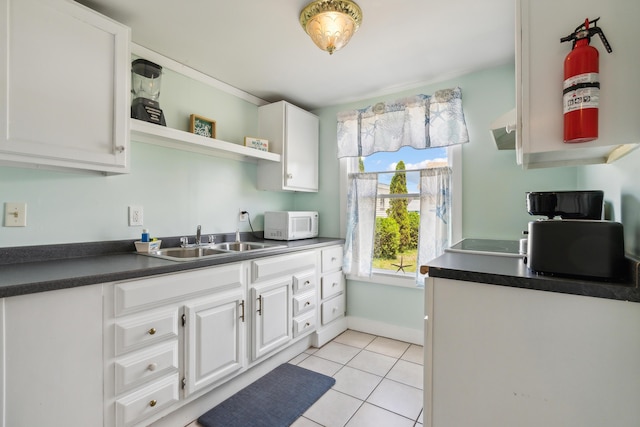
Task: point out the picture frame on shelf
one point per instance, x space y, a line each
202 126
257 143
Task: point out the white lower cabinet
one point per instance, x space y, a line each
332 296
277 284
51 358
504 356
271 317
173 338
170 337
214 339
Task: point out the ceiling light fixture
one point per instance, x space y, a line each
331 23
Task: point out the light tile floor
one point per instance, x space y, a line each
378 383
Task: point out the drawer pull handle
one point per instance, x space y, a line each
334 284
153 403
259 305
307 283
152 366
242 315
333 259
307 303
152 331
335 309
306 325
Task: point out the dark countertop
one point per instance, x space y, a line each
513 272
26 270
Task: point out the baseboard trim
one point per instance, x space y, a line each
413 336
329 332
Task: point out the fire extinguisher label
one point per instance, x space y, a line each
581 91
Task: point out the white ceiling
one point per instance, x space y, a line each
259 46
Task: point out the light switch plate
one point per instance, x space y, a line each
15 214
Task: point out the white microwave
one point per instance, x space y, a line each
290 225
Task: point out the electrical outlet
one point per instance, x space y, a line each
136 216
15 214
243 216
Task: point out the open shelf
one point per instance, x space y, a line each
150 133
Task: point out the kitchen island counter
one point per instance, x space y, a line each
54 267
513 272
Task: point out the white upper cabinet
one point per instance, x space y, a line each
64 87
539 75
293 133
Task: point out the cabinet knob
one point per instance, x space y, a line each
334 284
307 283
152 331
306 325
334 309
120 148
289 176
152 366
307 303
153 403
333 259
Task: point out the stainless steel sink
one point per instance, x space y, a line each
200 252
186 254
245 246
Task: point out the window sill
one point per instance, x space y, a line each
388 279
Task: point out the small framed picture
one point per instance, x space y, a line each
202 126
257 143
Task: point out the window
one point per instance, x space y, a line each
378 220
398 215
400 269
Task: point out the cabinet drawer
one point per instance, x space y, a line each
145 330
146 365
146 293
305 323
332 284
148 401
331 259
304 302
332 309
303 282
281 266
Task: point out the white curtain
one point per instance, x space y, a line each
419 121
435 220
435 216
361 223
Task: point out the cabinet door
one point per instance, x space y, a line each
539 74
215 336
64 86
271 316
293 133
301 153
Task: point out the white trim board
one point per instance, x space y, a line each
373 327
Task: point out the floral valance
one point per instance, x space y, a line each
420 121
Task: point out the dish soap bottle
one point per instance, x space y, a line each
145 235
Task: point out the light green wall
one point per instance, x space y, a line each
178 190
620 182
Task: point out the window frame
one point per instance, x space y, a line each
454 159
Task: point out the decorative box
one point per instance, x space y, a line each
148 246
257 143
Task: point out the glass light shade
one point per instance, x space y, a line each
331 23
330 31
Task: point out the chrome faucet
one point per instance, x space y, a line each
198 235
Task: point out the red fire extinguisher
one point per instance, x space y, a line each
581 91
